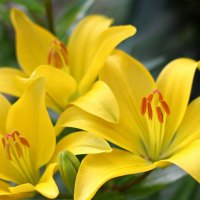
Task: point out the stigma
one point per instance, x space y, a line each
14 144
58 55
154 103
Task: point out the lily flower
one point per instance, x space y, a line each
29 144
71 70
156 127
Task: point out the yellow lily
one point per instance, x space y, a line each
71 70
29 143
156 128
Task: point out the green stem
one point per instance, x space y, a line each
49 14
65 196
131 183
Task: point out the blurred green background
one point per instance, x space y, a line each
166 29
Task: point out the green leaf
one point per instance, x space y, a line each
71 15
157 180
31 5
4 10
185 189
109 195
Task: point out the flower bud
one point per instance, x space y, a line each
68 167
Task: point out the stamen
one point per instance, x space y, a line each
58 55
56 60
160 96
159 114
4 142
148 104
13 144
24 141
63 48
150 111
143 105
7 149
165 107
150 97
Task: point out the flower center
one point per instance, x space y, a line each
159 104
156 110
14 144
58 55
17 151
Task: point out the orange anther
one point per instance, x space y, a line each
54 43
50 55
143 105
13 144
150 111
157 105
58 55
165 107
63 47
159 114
150 97
24 141
56 60
160 96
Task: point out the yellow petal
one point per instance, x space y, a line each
9 82
47 186
49 101
33 41
187 158
189 129
104 45
4 107
100 102
23 188
175 83
95 170
23 191
130 82
81 43
30 118
4 188
118 134
130 74
6 192
59 85
81 142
